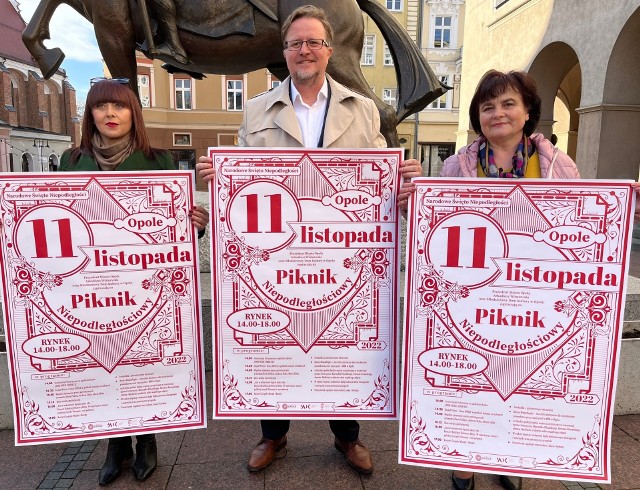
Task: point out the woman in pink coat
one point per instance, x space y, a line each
504 111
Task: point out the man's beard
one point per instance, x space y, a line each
305 76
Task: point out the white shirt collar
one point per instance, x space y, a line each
296 97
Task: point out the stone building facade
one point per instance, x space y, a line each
186 115
584 56
437 28
38 117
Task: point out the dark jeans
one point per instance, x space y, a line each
345 430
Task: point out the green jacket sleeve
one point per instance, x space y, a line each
64 161
165 160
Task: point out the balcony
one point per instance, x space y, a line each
442 54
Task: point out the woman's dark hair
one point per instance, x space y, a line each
494 83
113 91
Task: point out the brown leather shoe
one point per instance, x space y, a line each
358 456
265 452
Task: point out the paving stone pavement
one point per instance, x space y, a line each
216 457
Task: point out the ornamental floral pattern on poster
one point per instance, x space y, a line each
304 282
101 303
513 320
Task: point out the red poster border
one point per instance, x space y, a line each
57 177
408 338
218 371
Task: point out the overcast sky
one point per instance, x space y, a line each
74 35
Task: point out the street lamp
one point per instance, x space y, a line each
40 144
4 150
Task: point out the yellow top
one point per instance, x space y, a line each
531 172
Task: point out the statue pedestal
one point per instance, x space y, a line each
628 388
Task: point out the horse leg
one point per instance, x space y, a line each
37 31
116 40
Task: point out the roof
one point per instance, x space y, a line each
11 27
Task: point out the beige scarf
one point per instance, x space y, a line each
108 157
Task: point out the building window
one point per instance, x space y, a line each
144 91
389 96
53 162
14 94
181 139
368 50
433 156
442 32
394 5
234 95
388 59
183 94
27 163
184 159
442 102
275 83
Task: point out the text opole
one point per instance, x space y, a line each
55 346
145 222
258 320
351 200
569 236
452 361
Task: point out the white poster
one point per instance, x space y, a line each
102 304
304 279
515 296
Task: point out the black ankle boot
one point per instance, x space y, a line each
511 482
462 483
119 450
146 456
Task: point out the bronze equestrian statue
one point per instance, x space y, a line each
238 36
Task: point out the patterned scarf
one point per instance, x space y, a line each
520 160
108 157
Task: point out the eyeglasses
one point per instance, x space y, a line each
122 81
313 44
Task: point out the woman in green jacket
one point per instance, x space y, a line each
114 138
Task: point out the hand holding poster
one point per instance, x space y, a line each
515 295
101 301
305 282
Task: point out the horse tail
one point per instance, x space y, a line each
417 84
